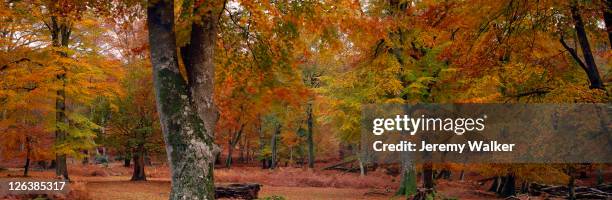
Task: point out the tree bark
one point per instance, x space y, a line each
26 167
230 150
187 134
198 59
60 36
126 161
408 182
262 144
591 66
495 184
273 144
571 188
231 145
310 123
428 178
607 10
139 164
509 187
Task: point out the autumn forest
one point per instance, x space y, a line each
205 99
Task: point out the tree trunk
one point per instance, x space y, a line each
26 167
495 184
509 187
571 188
189 139
273 144
310 122
600 176
525 187
232 145
462 175
608 19
591 66
85 160
230 150
363 171
60 35
428 179
126 161
53 164
241 156
139 164
408 182
502 184
262 145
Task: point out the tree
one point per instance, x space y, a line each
589 66
72 74
184 106
135 125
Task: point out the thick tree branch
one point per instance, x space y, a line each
573 53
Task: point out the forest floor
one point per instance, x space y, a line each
112 182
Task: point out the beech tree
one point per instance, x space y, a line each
185 105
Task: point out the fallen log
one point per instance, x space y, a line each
346 161
605 187
582 192
238 191
591 196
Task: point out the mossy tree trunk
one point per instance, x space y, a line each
408 182
185 107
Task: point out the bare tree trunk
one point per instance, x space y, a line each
495 184
230 150
362 168
127 161
509 186
273 144
241 156
232 145
571 187
85 160
607 10
262 144
428 178
188 134
139 164
310 122
26 167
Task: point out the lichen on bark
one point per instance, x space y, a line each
189 145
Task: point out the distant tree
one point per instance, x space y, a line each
135 125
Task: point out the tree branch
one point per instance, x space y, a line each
573 53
